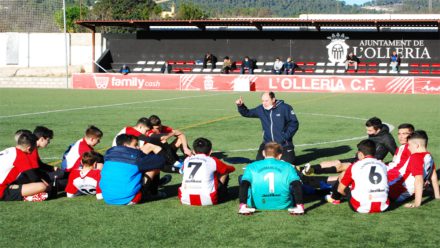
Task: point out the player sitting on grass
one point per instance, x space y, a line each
86 180
367 179
418 172
18 180
139 130
377 132
72 157
402 153
273 183
165 133
205 178
44 135
122 181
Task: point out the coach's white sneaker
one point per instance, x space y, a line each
298 210
244 210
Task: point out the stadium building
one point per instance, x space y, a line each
168 54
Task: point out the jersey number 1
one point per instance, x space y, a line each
271 177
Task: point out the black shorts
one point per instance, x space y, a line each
13 193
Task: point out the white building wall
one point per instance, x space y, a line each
48 49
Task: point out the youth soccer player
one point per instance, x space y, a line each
273 183
44 135
138 130
72 157
86 180
367 179
418 171
122 180
18 180
165 133
377 132
205 178
402 153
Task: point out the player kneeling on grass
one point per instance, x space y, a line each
367 179
18 180
86 180
205 178
122 181
417 173
273 183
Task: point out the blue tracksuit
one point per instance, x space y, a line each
279 123
122 173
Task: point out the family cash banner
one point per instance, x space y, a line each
279 83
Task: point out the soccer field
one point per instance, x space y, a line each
330 127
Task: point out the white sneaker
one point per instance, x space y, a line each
307 171
244 210
298 210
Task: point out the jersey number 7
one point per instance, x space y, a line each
196 168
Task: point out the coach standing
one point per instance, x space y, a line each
279 123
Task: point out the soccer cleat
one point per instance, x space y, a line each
308 170
244 210
37 197
298 210
329 199
164 180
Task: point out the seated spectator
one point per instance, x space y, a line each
277 66
351 59
129 175
124 70
247 65
227 65
395 61
272 184
86 180
205 178
290 66
209 59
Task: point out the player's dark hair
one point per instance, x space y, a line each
202 145
407 126
43 132
367 147
91 157
419 134
20 132
125 139
273 149
374 122
144 121
155 120
27 139
93 132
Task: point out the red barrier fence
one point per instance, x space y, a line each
279 83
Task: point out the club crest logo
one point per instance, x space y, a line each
337 49
101 82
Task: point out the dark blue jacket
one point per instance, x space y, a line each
279 123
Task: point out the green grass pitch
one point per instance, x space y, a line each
326 120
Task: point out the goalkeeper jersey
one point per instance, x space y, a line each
270 184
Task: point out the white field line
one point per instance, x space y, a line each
109 105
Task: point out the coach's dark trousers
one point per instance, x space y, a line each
288 153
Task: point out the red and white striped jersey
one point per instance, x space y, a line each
72 157
129 131
399 160
200 180
369 185
13 162
418 164
163 130
84 183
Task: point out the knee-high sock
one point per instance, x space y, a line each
296 191
243 191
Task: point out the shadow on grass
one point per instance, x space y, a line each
231 160
316 153
171 191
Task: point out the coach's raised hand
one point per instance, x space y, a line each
239 101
